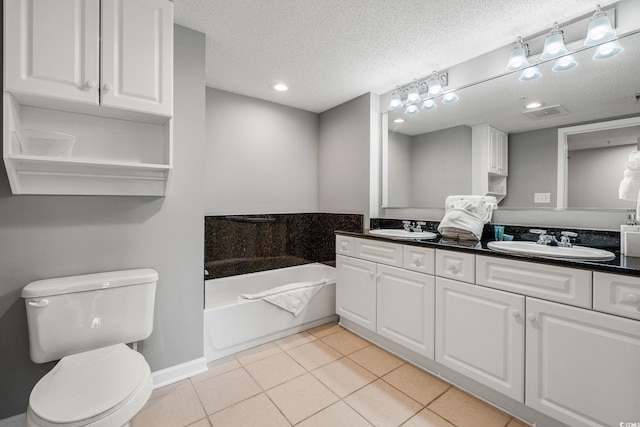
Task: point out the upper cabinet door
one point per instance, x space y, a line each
137 55
51 48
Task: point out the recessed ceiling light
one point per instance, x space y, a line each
533 105
398 121
280 87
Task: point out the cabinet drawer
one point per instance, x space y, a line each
419 259
345 245
616 294
455 265
561 284
378 251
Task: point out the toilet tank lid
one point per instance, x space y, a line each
89 282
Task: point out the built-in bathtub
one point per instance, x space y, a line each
232 324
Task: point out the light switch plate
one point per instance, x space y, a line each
541 197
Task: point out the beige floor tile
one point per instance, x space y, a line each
301 397
337 415
416 383
217 367
346 342
257 411
314 354
177 408
344 376
202 423
376 360
324 330
168 389
464 410
426 418
257 353
295 340
383 405
274 370
226 389
517 423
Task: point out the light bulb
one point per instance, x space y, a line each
529 74
411 110
517 57
566 63
607 50
429 104
396 100
414 94
599 30
450 98
554 44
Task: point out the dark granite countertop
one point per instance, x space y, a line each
620 265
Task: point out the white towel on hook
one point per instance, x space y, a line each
293 297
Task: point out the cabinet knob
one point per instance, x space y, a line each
371 274
344 246
107 87
417 262
515 313
90 84
632 298
453 268
531 317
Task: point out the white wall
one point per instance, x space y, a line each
49 236
344 158
260 157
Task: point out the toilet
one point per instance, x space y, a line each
85 322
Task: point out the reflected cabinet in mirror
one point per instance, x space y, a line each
551 152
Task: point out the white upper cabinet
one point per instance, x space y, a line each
52 48
490 167
137 55
114 53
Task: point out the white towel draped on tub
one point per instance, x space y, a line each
293 297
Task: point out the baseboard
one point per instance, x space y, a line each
15 421
176 373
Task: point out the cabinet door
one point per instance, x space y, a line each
480 333
51 48
498 156
582 367
356 291
406 308
137 55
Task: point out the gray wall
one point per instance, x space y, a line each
533 167
260 157
594 176
49 236
434 179
399 169
344 158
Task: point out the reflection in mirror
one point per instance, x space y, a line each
594 91
591 162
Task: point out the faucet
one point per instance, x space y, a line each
551 240
413 225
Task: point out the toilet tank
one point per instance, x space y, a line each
69 315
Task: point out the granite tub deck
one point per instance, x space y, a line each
242 244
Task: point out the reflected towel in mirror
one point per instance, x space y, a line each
465 216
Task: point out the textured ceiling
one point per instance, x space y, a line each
330 51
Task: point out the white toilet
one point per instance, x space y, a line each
85 322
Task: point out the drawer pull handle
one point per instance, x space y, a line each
417 262
632 298
344 246
371 274
531 317
453 268
515 313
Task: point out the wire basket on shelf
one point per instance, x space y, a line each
45 143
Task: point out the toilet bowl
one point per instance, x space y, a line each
98 388
84 321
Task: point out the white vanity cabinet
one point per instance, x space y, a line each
583 367
114 53
385 292
405 312
480 333
356 291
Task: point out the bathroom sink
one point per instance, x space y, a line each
558 252
403 234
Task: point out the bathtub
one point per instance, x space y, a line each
232 324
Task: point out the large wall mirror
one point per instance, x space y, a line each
428 156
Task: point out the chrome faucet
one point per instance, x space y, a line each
413 225
551 240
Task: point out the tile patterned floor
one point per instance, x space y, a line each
324 377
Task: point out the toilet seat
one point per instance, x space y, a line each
106 386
